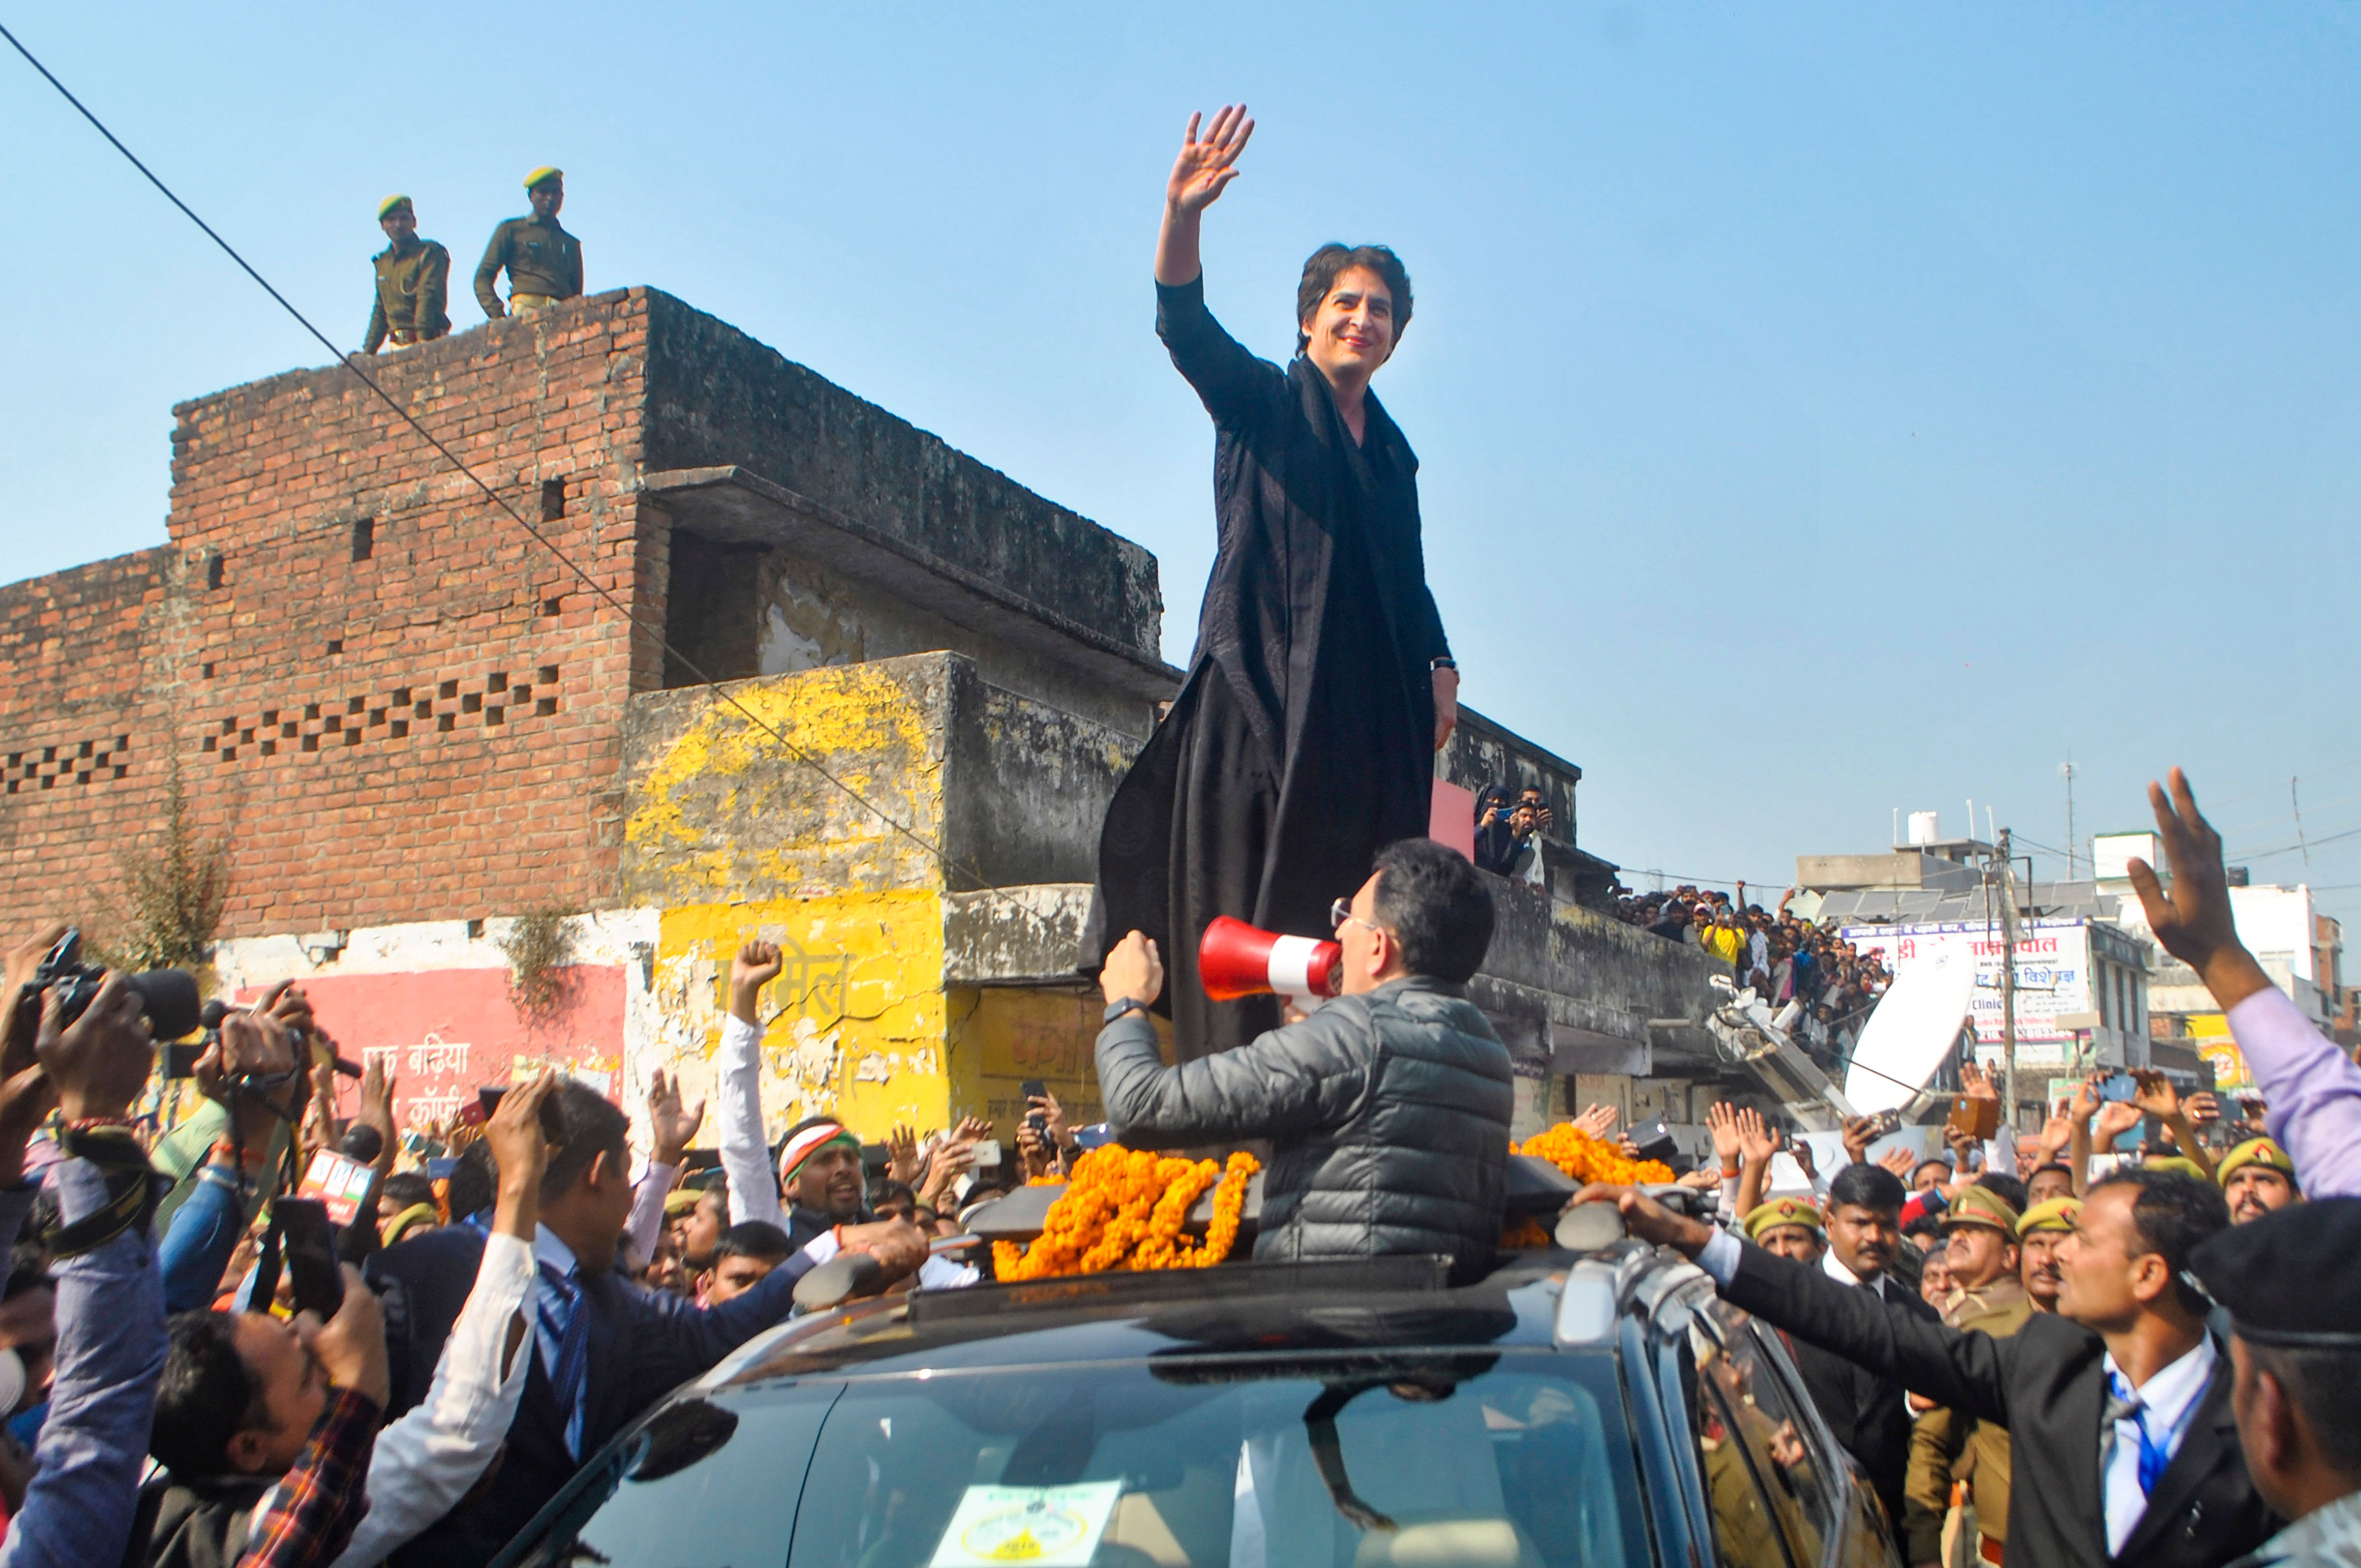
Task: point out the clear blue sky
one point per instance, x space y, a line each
1824 410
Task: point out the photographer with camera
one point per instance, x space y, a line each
266 1428
220 1198
110 1303
1388 1109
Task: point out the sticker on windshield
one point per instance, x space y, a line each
1049 1527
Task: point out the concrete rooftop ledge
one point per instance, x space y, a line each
734 505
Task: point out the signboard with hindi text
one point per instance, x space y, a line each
2053 971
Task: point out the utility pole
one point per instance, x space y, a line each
2007 985
2066 771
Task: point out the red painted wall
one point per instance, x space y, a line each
449 1031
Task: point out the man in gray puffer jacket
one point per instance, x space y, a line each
1386 1109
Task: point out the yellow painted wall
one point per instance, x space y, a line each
723 809
1000 1037
856 1023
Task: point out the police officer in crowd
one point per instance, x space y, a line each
2256 1177
2119 1406
414 282
543 262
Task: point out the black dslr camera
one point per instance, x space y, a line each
169 996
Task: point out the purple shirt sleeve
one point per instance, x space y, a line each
110 1320
2311 1089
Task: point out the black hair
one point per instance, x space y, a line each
1924 1225
1331 260
1867 1186
1435 904
2060 1166
2173 1212
2005 1187
407 1189
204 1399
593 1126
2325 1384
474 1181
891 1191
756 1239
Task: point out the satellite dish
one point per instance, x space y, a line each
1913 1029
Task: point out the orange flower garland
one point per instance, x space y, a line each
1527 1235
1127 1209
1587 1158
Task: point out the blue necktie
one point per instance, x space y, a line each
2126 1405
561 1306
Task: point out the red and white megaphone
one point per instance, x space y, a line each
1237 959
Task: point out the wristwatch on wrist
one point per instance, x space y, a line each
1122 1004
1443 662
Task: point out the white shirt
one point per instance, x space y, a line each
2169 1400
1719 1257
1843 1276
746 1157
645 1223
425 1461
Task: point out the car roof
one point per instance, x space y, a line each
1327 1309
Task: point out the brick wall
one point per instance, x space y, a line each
393 703
76 744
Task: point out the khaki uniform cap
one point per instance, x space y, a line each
1781 1212
2055 1214
1981 1206
2255 1151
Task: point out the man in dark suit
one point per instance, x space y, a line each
2123 1448
1866 1411
604 1349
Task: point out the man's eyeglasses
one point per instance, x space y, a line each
1341 911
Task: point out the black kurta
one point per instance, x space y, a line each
1304 740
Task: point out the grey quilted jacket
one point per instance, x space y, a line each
1388 1116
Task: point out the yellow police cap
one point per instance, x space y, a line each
1981 1206
2179 1162
388 205
542 173
2052 1214
1781 1212
2255 1151
681 1201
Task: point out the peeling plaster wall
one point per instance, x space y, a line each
1028 786
854 1025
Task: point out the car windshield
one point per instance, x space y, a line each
1513 1458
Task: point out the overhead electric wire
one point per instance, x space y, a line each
794 753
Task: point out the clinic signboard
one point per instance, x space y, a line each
2053 973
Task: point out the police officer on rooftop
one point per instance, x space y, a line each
414 282
543 262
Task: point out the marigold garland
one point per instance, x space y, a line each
1587 1158
1526 1235
1127 1209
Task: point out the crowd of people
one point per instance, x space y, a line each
1783 956
2056 1350
2052 1345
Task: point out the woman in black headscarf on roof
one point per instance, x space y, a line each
1322 685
